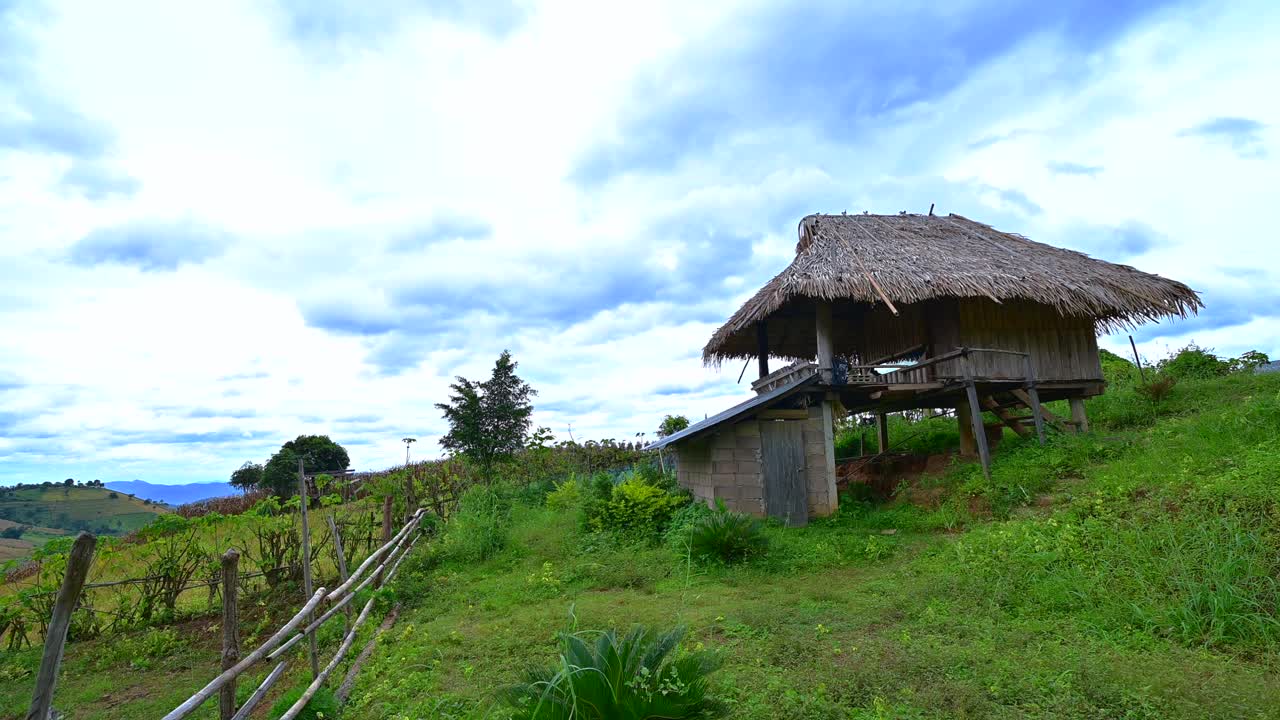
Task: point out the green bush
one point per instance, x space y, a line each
1194 363
323 705
634 507
727 536
566 496
641 675
478 530
681 525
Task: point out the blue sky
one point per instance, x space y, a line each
225 224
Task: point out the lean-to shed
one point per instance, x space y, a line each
882 313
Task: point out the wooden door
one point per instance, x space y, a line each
786 495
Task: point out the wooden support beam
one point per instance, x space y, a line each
306 563
1005 416
55 637
1037 412
1078 416
979 428
882 432
783 414
230 631
762 347
1053 419
826 352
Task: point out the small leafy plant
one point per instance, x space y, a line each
727 536
323 705
634 506
640 675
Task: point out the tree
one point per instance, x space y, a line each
318 454
489 421
672 424
68 482
13 532
248 476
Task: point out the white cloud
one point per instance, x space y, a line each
316 158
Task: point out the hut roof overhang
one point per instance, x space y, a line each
890 260
737 412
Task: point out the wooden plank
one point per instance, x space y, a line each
306 565
230 631
784 414
882 432
829 452
783 466
55 639
1005 416
1057 422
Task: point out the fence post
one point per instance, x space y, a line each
342 567
56 638
386 520
306 565
230 631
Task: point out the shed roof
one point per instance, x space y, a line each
737 411
901 259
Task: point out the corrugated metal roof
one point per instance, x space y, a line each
735 412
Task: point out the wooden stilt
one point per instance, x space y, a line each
1009 419
975 410
825 353
1036 411
762 347
968 441
882 432
1047 414
1078 416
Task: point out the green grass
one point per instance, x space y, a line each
1128 573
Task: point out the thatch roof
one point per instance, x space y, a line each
892 260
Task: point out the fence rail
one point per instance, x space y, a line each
376 571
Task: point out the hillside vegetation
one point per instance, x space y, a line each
75 507
1127 573
1130 572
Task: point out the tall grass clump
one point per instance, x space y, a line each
727 536
323 705
640 675
479 528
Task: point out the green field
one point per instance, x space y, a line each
76 508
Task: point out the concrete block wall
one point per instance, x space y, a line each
726 465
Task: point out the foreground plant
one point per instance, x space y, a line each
641 675
727 536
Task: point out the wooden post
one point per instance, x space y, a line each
882 432
762 347
55 639
1078 416
829 453
1142 373
342 566
230 631
968 441
826 354
306 563
386 520
1036 413
975 410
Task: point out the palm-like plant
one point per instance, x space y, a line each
636 677
728 536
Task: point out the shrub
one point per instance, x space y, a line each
1194 363
640 675
565 496
682 522
323 705
727 536
635 507
1159 388
13 532
478 530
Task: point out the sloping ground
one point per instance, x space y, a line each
74 508
1144 588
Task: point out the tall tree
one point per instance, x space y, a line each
489 421
248 476
318 454
672 424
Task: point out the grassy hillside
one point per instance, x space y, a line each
76 508
1128 573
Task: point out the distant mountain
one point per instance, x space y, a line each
173 494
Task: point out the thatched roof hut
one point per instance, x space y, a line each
888 261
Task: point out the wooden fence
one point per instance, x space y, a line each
322 606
